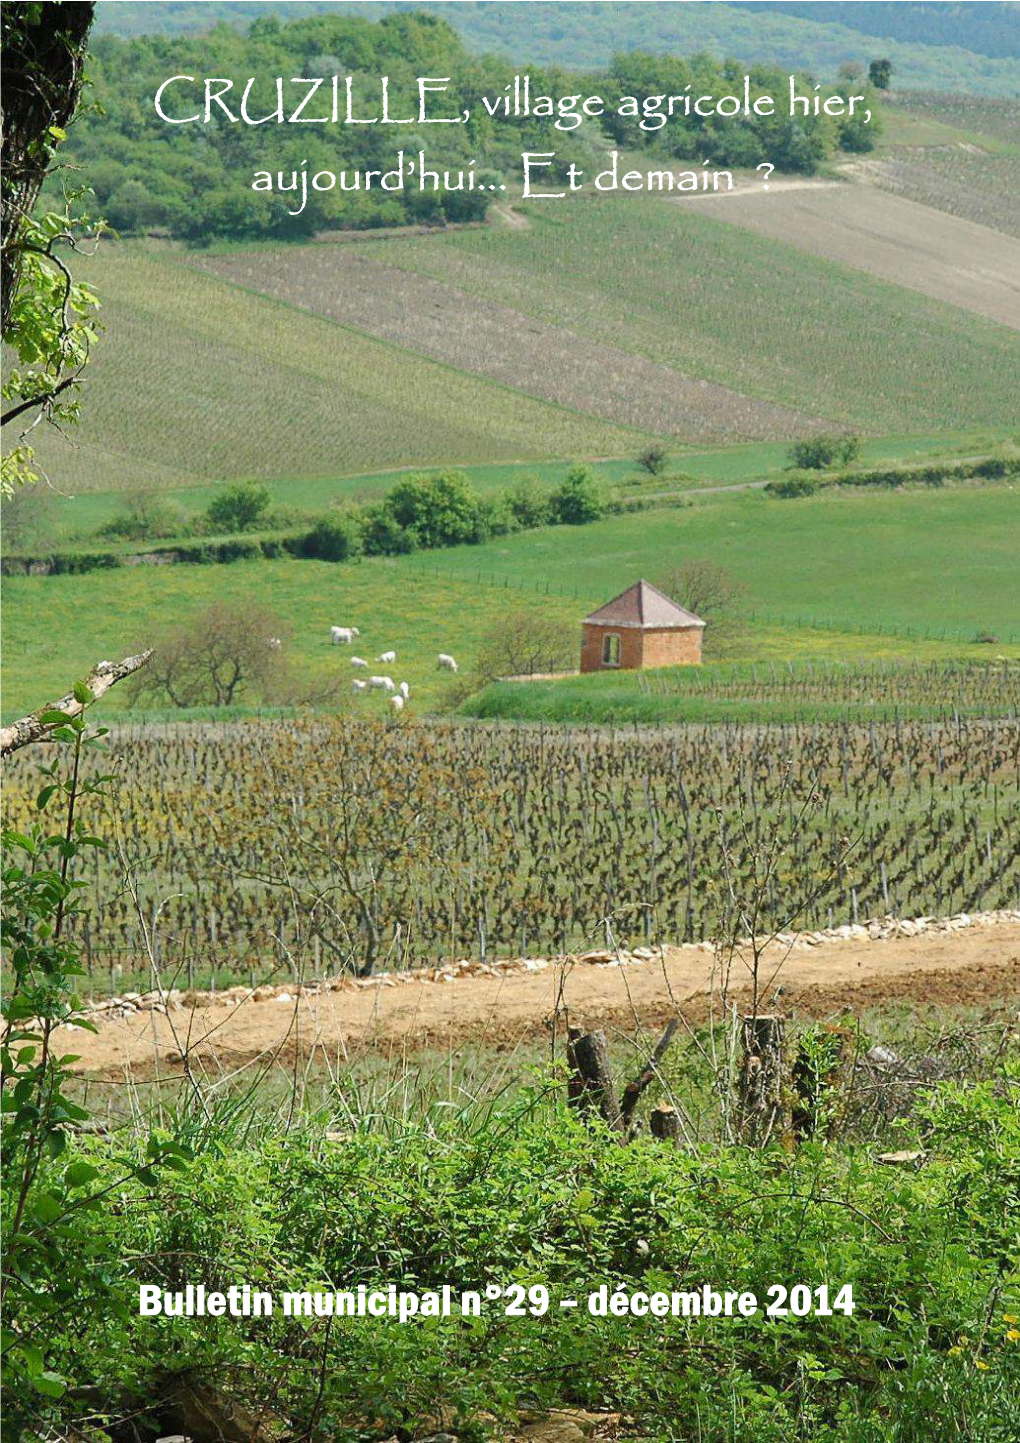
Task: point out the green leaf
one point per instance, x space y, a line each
52 1385
82 693
54 717
79 1173
44 796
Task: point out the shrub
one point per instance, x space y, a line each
528 502
332 538
383 535
578 499
441 510
815 453
653 460
145 518
240 506
794 486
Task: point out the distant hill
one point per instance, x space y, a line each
970 48
992 30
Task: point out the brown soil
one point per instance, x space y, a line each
977 966
888 236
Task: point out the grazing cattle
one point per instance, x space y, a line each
397 702
404 690
381 683
359 661
387 656
343 635
274 643
359 685
446 663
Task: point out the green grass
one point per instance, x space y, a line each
753 314
923 571
199 380
726 692
941 565
80 516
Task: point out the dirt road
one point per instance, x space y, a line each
976 966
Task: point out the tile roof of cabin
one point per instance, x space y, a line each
643 605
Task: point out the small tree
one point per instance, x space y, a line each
653 459
226 653
332 538
815 453
578 499
529 503
522 643
704 588
880 73
241 506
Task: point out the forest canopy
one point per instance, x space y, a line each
194 182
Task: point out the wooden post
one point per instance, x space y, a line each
590 1085
763 1103
664 1122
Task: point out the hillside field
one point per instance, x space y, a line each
890 548
198 380
423 350
747 312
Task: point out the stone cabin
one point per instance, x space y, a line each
640 628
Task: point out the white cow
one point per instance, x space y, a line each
446 663
397 702
381 683
274 643
404 690
359 685
343 635
387 656
359 661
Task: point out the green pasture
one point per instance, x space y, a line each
79 516
936 564
885 574
721 692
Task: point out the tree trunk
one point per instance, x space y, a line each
664 1122
43 55
590 1086
763 1102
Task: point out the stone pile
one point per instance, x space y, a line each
878 930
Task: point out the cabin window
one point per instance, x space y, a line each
611 650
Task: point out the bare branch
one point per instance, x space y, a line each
99 680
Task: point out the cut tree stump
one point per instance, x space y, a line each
590 1084
763 1090
664 1123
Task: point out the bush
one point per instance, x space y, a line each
794 486
653 460
578 499
383 535
528 502
146 518
815 453
441 510
332 538
240 506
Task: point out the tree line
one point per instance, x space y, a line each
194 181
